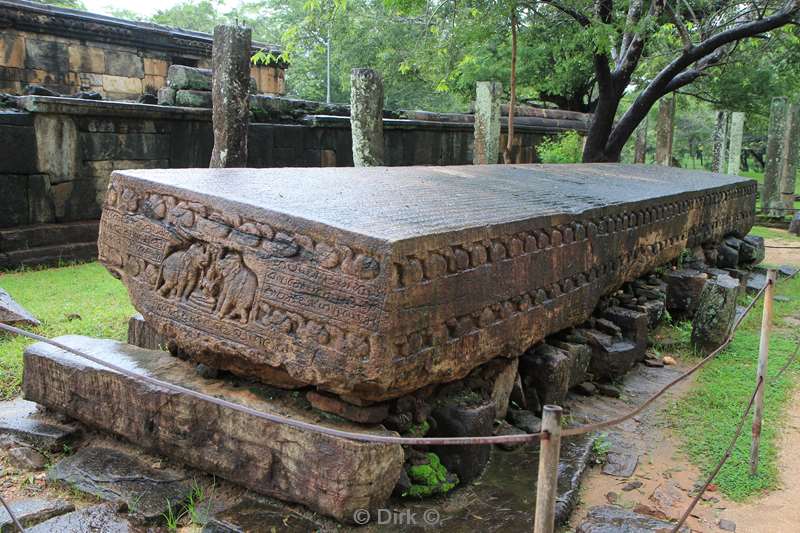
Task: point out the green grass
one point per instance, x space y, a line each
57 296
706 417
771 233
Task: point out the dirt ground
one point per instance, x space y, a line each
664 477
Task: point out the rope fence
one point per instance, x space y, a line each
546 438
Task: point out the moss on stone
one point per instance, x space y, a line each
418 430
430 478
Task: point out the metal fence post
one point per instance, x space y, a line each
547 481
761 370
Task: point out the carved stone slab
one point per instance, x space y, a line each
331 475
374 282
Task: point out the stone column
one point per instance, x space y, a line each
665 129
366 117
735 143
640 148
720 135
230 93
779 110
788 180
486 148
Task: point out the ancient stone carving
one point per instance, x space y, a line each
281 275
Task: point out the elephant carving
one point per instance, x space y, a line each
239 285
182 271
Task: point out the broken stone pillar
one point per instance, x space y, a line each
640 149
486 147
665 129
455 419
781 161
735 143
366 117
230 92
720 147
715 313
683 291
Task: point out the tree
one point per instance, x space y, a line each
623 33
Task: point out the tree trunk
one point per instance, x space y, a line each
512 104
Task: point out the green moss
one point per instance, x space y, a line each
430 478
418 430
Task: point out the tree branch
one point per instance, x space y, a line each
682 30
582 19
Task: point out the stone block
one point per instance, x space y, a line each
716 312
22 159
154 83
608 518
56 146
78 199
155 67
40 200
331 293
191 98
794 225
751 250
47 56
331 475
547 369
14 314
125 64
166 96
122 85
12 50
634 324
370 414
611 357
107 517
31 511
115 147
142 335
181 77
87 59
455 420
23 423
49 255
14 209
580 355
683 290
727 256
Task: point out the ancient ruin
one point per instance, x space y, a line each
290 277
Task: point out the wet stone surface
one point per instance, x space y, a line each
115 476
613 519
14 314
620 464
105 518
21 421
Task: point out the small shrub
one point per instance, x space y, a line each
566 148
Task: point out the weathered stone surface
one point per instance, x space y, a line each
13 313
620 464
231 89
794 225
547 369
503 383
142 335
372 414
20 420
751 250
106 517
611 356
292 280
26 458
525 420
735 143
454 420
613 519
116 476
580 356
366 117
192 98
728 256
253 515
683 290
486 145
182 77
166 96
31 511
331 475
665 130
715 313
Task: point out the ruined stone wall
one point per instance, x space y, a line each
69 51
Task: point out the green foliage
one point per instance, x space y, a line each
566 148
71 4
600 448
430 478
706 417
78 300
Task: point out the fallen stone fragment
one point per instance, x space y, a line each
373 414
752 250
21 421
220 526
105 518
14 314
26 458
728 256
166 96
726 525
183 77
586 388
756 282
794 225
643 508
632 485
467 462
620 464
670 499
787 270
781 298
547 369
612 497
580 355
653 362
332 475
683 291
31 511
613 519
525 420
113 475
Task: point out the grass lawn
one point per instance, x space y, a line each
83 299
772 233
707 416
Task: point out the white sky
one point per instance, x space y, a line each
143 7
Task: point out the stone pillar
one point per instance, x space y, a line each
486 148
230 93
366 117
665 129
735 143
720 135
640 148
788 181
781 160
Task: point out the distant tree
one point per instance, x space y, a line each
71 4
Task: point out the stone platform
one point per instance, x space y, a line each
330 475
375 282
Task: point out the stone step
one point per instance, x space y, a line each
331 475
31 511
49 255
43 235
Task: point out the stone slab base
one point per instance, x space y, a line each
48 244
330 475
